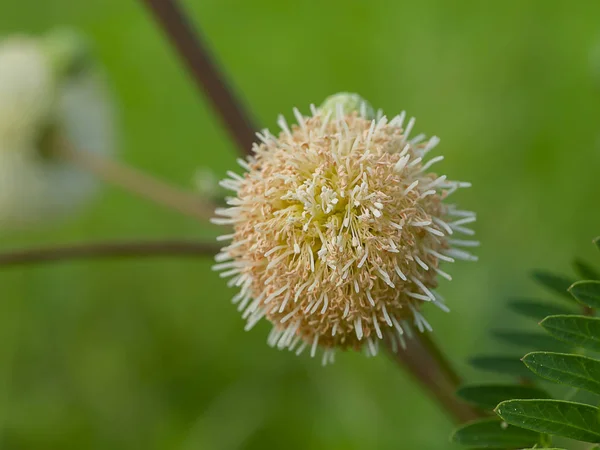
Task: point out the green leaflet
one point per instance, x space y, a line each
586 271
493 433
556 283
537 309
487 396
560 418
582 331
587 292
506 365
529 340
528 407
574 370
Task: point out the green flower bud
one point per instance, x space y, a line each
349 103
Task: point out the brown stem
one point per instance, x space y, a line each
187 41
98 250
137 182
427 365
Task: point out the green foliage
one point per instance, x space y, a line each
493 433
487 396
536 309
578 330
504 365
526 407
585 270
587 292
574 370
557 283
527 339
567 419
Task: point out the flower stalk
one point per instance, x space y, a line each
428 366
108 250
188 43
137 182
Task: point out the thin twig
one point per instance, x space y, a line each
428 366
170 15
105 250
137 182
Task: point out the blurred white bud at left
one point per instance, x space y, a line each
51 94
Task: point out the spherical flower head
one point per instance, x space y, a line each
339 229
51 94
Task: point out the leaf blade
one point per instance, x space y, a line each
563 368
582 331
492 433
557 417
555 283
586 292
505 365
537 309
529 340
585 270
488 396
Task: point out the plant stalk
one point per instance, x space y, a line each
188 43
425 362
137 182
110 249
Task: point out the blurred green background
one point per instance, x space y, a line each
152 355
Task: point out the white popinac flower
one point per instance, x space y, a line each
339 228
51 94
